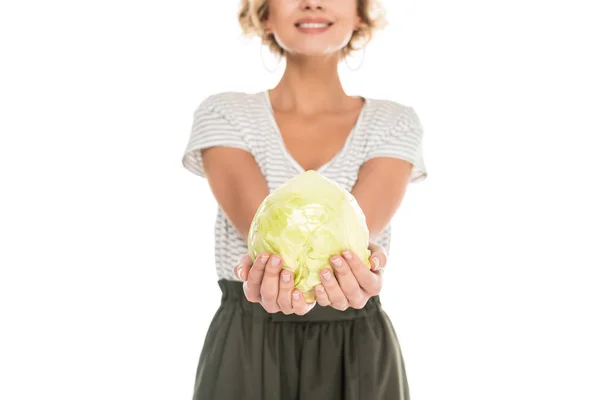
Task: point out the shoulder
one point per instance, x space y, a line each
391 110
235 114
226 102
393 116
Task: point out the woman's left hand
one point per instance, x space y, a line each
354 282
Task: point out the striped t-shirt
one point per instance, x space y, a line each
384 128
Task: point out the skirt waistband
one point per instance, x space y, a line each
233 294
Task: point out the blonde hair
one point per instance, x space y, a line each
253 13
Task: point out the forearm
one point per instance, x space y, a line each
237 184
379 190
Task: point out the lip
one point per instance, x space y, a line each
313 30
314 20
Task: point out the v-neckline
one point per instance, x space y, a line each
339 154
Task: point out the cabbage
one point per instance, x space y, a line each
306 221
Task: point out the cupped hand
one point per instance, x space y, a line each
267 283
354 282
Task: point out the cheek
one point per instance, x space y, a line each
281 20
347 19
345 26
345 9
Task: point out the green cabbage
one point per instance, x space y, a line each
306 221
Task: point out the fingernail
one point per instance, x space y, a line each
275 261
337 261
320 289
285 277
327 275
296 296
347 255
376 262
264 258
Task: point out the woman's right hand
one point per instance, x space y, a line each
265 282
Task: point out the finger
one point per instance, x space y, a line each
369 282
243 267
321 296
269 288
333 290
299 303
376 248
255 277
347 280
378 258
284 299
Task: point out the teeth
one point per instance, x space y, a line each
314 25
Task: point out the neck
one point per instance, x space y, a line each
309 85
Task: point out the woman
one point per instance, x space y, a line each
265 342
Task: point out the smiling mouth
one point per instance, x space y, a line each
313 25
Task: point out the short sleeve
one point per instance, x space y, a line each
212 126
403 140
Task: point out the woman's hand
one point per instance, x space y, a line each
353 283
265 282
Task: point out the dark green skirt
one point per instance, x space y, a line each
326 354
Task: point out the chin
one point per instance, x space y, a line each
313 53
311 48
314 50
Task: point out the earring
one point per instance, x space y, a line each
262 57
362 60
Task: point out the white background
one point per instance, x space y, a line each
108 283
